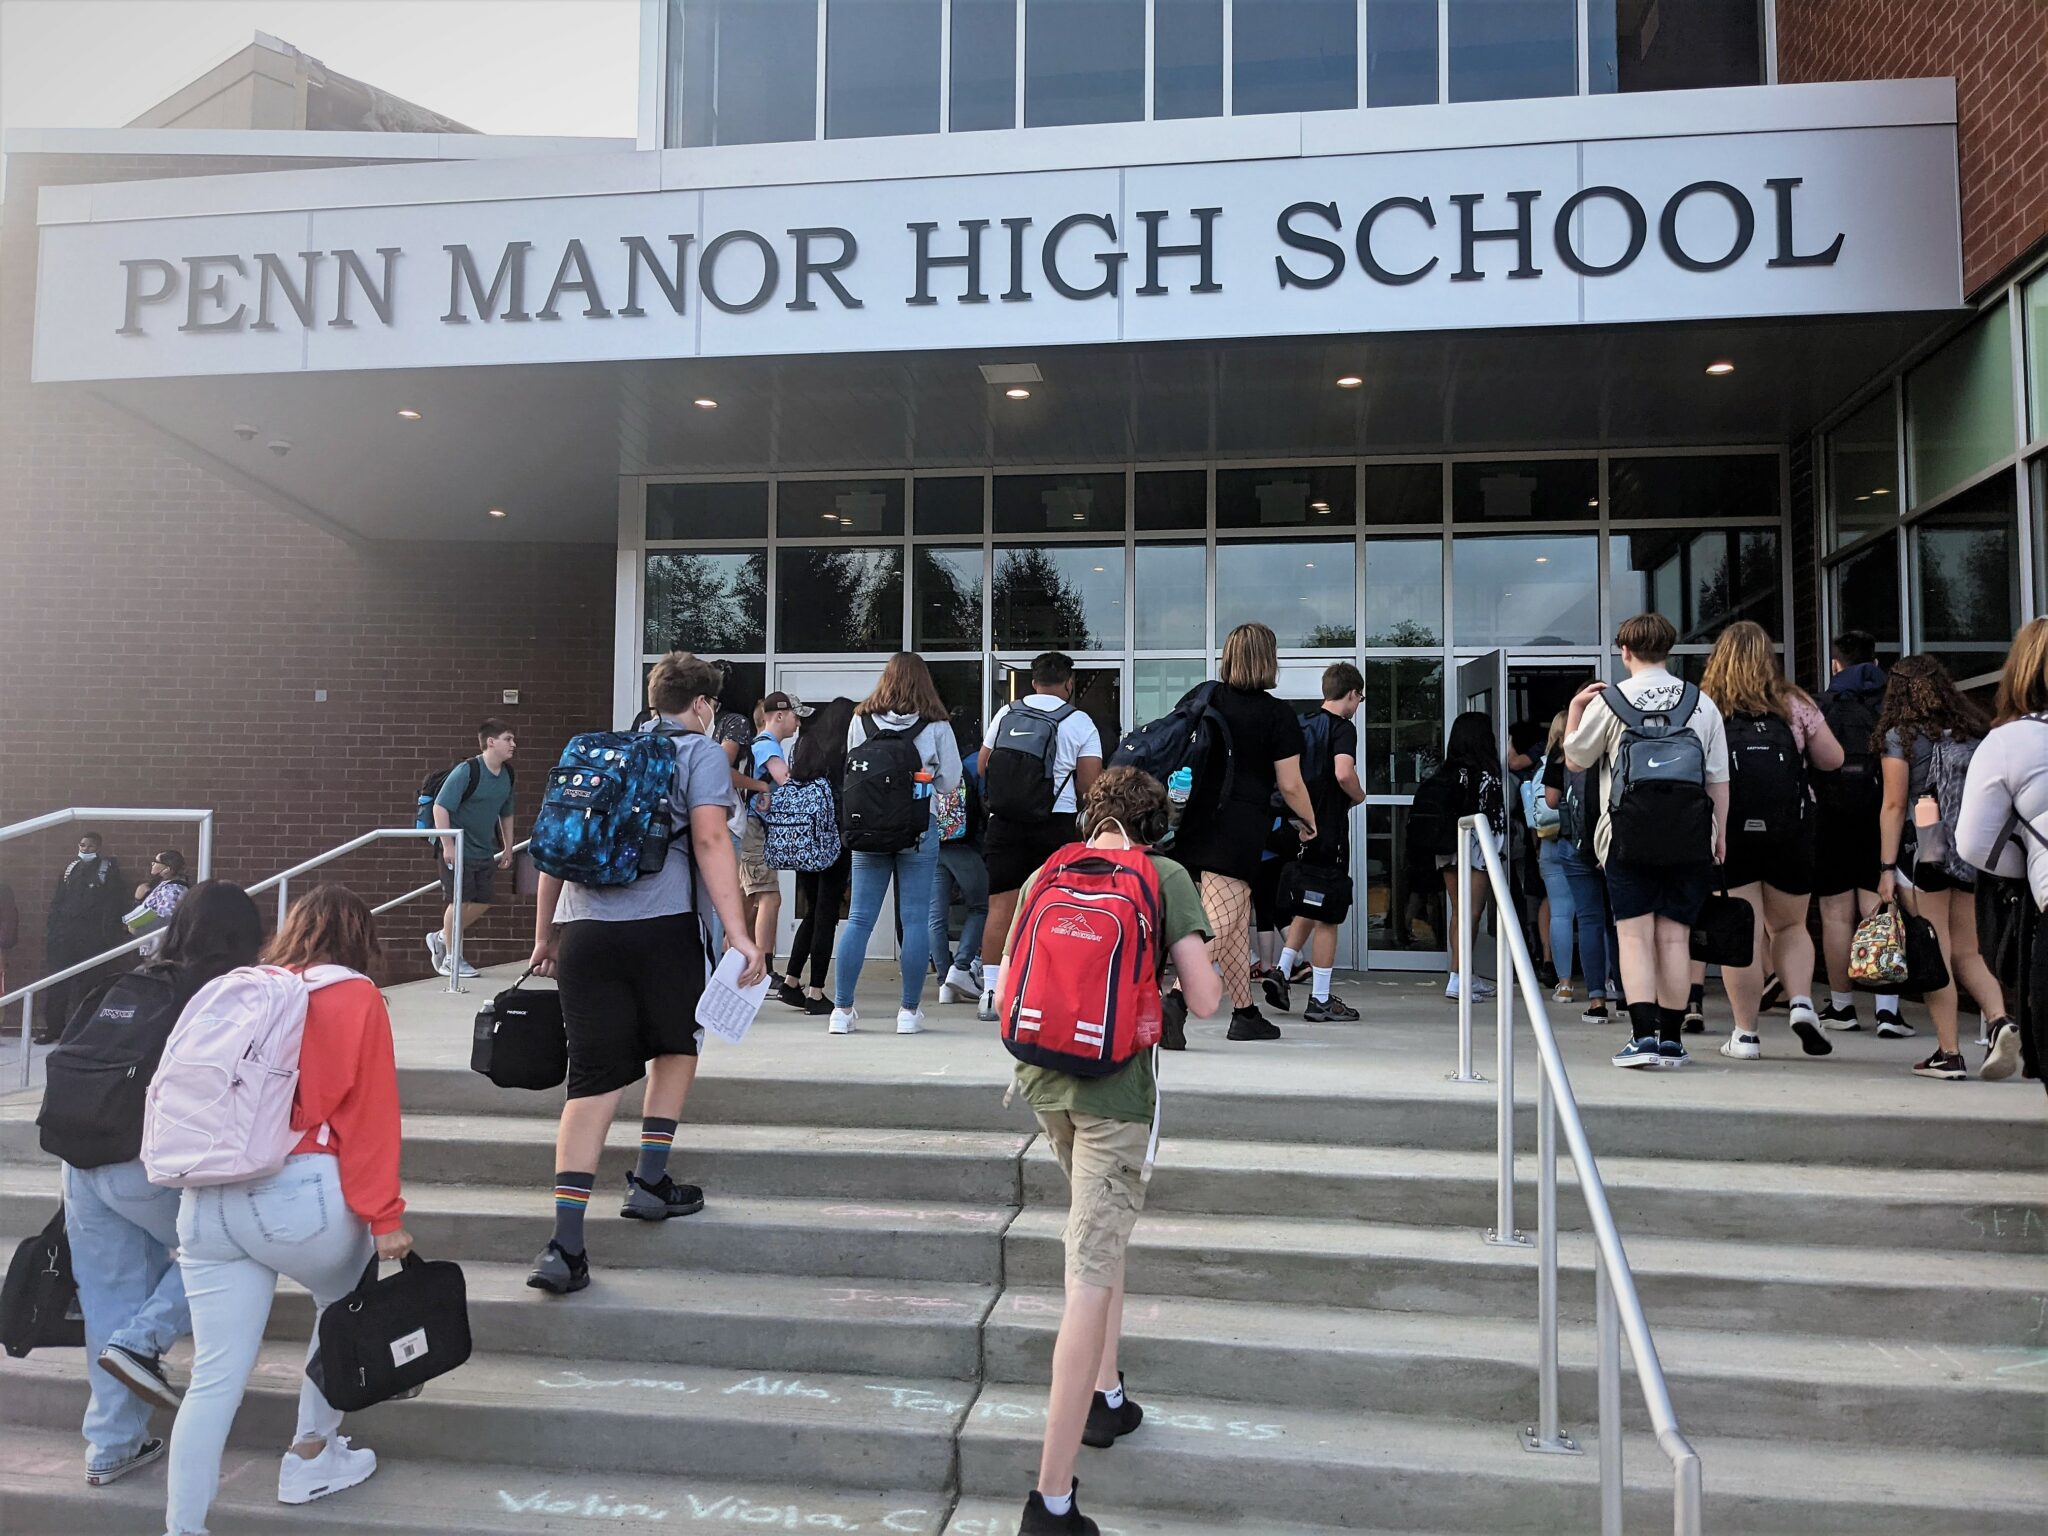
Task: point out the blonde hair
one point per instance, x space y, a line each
906 688
1742 676
1251 658
2023 685
679 680
1556 737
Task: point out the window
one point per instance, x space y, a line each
1314 496
1067 597
1694 490
1084 61
1060 503
733 511
1156 686
1301 587
945 612
1404 592
959 684
1538 490
1526 589
1644 45
949 505
1400 724
1404 906
1404 493
1702 581
1173 597
1508 50
1187 58
881 67
984 84
749 71
1293 55
1172 499
1863 471
1967 581
2036 301
839 509
831 600
1866 588
1959 407
706 601
1400 52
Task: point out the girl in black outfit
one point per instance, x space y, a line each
1471 753
1225 851
820 754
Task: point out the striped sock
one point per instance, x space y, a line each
656 1137
572 1199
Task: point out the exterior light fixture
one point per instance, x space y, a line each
1721 369
1018 393
497 511
1350 381
407 413
705 403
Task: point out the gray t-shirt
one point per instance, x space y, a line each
703 777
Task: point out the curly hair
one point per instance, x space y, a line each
1130 797
1920 700
1742 676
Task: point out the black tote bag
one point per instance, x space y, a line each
1724 933
519 1041
39 1303
388 1337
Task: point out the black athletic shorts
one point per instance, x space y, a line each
1935 877
629 994
1845 852
1783 863
479 882
1013 851
1315 890
1665 890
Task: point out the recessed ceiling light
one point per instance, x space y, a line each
497 511
1350 381
1863 498
1543 559
408 414
1018 393
705 403
1308 565
1593 501
1099 569
1322 507
1721 368
830 517
1882 490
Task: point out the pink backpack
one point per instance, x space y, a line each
219 1109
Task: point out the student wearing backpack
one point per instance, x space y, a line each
2003 830
1330 770
123 1228
1100 1121
962 867
476 796
760 886
1663 753
316 1221
1847 805
1557 800
1037 762
1774 732
900 752
1469 783
1928 733
820 757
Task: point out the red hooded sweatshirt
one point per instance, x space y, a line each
348 1084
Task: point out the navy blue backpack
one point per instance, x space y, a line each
606 817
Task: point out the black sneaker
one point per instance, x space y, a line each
559 1270
151 1450
1300 973
1106 1424
658 1202
1843 1019
1774 994
1596 1013
1947 1066
1328 1010
1250 1024
1695 1021
1891 1027
817 1007
790 997
1546 974
1173 1021
1038 1521
1276 991
141 1374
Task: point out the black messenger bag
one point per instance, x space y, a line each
389 1337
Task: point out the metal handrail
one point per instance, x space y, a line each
282 881
1619 1309
430 887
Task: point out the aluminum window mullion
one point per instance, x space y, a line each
1022 6
1151 19
1903 549
1229 53
1443 51
818 123
945 66
1584 23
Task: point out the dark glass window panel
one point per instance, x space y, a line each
1404 905
1187 58
1060 503
1509 50
831 600
736 510
1532 490
1084 61
1173 597
1172 499
1867 593
1062 596
1967 578
1302 588
705 601
984 82
1400 52
750 71
1400 724
1694 490
959 684
1702 581
1404 592
1666 47
1315 496
1526 589
1404 493
1863 471
839 509
945 611
950 505
1293 56
881 67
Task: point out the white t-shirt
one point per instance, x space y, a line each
1078 738
1600 732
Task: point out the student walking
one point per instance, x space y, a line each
2003 830
1847 805
1472 767
820 756
316 1221
900 752
1774 732
1101 1129
1561 800
631 962
1225 850
1664 758
1322 875
476 797
768 755
963 868
1929 732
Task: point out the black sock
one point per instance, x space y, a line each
1670 1023
1696 999
1643 1020
572 1199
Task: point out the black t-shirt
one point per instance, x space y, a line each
1333 806
1263 731
1554 771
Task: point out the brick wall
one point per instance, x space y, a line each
1997 51
162 635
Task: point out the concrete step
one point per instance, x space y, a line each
1854 1391
1988 1211
998 1517
42 1492
1906 1294
1266 1466
814 1430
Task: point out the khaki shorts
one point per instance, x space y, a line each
1104 1161
756 878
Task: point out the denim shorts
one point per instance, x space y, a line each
1659 890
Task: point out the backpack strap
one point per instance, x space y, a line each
1623 710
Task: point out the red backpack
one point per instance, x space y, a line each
1081 986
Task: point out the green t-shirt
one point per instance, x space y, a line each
478 815
1130 1093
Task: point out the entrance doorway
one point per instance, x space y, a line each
1098 694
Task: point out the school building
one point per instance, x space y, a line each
1440 335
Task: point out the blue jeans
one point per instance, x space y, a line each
912 871
960 864
1578 903
122 1230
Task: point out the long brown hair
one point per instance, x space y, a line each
1742 676
1251 658
1920 700
2023 685
329 925
906 688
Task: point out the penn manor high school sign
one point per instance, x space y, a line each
1722 226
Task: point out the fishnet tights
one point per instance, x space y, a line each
1229 905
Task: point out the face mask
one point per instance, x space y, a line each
87 858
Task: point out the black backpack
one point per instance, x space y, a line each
430 786
1856 785
1660 815
1440 801
39 1302
1766 777
1020 787
1194 736
98 1076
880 810
1578 814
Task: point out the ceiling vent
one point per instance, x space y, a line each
1012 373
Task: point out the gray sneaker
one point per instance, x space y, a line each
558 1271
658 1202
986 1013
437 951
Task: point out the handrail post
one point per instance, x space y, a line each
1608 1326
1546 1436
28 1035
204 852
284 887
1503 1233
1461 914
1686 1495
455 923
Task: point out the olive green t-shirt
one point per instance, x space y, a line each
1130 1093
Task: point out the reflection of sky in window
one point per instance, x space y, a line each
1404 592
1302 588
1701 582
1069 595
1536 589
1173 596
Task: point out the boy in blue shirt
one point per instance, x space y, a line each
760 886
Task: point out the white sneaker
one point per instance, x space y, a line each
1742 1047
909 1021
437 951
468 970
1480 990
843 1020
301 1479
958 987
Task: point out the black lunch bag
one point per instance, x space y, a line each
519 1040
1724 933
39 1303
389 1337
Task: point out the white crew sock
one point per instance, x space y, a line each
1887 1002
1114 1397
1287 959
992 977
1841 1001
1319 982
1057 1503
1801 1001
